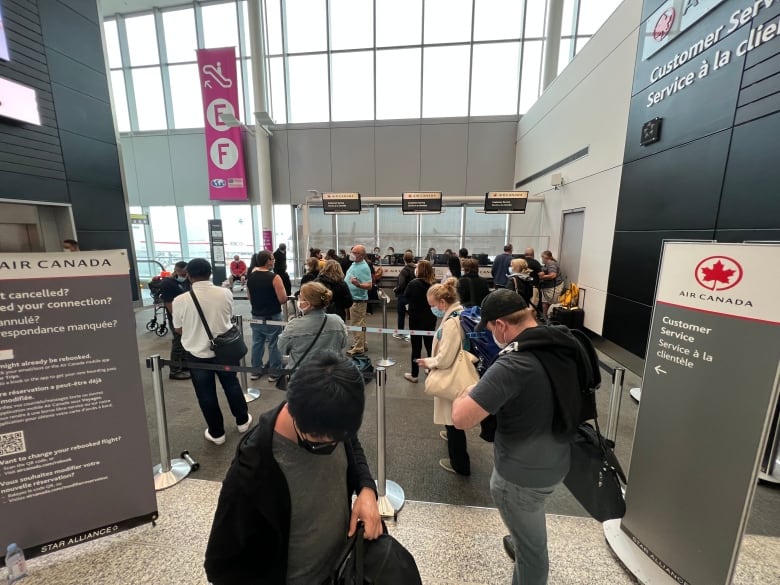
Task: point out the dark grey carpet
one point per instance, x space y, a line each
413 443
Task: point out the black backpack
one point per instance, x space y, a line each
383 561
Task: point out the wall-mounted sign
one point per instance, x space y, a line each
651 132
3 39
671 20
224 152
139 219
19 102
421 202
506 201
341 203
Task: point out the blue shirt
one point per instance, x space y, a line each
362 272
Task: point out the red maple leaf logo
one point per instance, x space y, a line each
717 273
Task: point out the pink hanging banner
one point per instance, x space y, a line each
224 152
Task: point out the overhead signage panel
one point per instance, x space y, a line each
19 102
421 202
333 203
506 201
671 20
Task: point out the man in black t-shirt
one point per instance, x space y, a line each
266 293
170 288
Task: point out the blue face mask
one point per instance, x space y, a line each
437 311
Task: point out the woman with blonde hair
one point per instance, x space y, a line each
521 280
420 316
312 270
332 277
316 330
447 350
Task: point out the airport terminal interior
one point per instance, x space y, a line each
608 130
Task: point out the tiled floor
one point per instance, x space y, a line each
453 545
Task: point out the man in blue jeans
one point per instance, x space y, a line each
217 306
265 290
533 436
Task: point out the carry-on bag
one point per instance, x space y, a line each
228 347
383 561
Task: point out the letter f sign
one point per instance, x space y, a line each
222 151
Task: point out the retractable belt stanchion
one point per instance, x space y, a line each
170 471
391 495
250 394
385 361
615 398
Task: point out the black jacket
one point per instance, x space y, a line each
420 315
565 364
342 298
472 288
251 530
404 278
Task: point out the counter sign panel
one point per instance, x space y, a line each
506 201
421 202
333 203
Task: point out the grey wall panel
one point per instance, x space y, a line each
352 154
86 8
189 172
89 160
127 152
70 73
310 166
397 159
59 23
32 187
280 168
250 164
153 164
491 157
443 154
84 115
97 208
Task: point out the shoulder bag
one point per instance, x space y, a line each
281 381
449 383
228 347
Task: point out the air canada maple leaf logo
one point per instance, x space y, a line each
664 25
718 273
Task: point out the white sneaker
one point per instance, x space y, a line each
217 441
245 427
397 336
411 378
443 435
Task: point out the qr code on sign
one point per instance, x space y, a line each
12 443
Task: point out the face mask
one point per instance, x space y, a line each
314 447
181 278
302 306
498 343
437 311
415 274
352 257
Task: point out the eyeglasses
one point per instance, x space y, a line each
315 447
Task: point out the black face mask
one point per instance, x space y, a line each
315 447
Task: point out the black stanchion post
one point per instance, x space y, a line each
250 394
170 471
391 495
615 398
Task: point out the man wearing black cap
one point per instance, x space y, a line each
533 389
216 303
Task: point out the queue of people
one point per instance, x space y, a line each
312 437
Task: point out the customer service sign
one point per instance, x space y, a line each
224 152
708 394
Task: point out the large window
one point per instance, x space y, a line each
343 60
440 231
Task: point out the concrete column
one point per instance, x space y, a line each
552 46
262 119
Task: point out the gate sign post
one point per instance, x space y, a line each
74 445
224 151
708 396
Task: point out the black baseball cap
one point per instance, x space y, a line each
198 267
500 303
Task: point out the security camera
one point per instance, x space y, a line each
556 180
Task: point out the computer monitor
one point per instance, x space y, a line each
441 259
482 259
